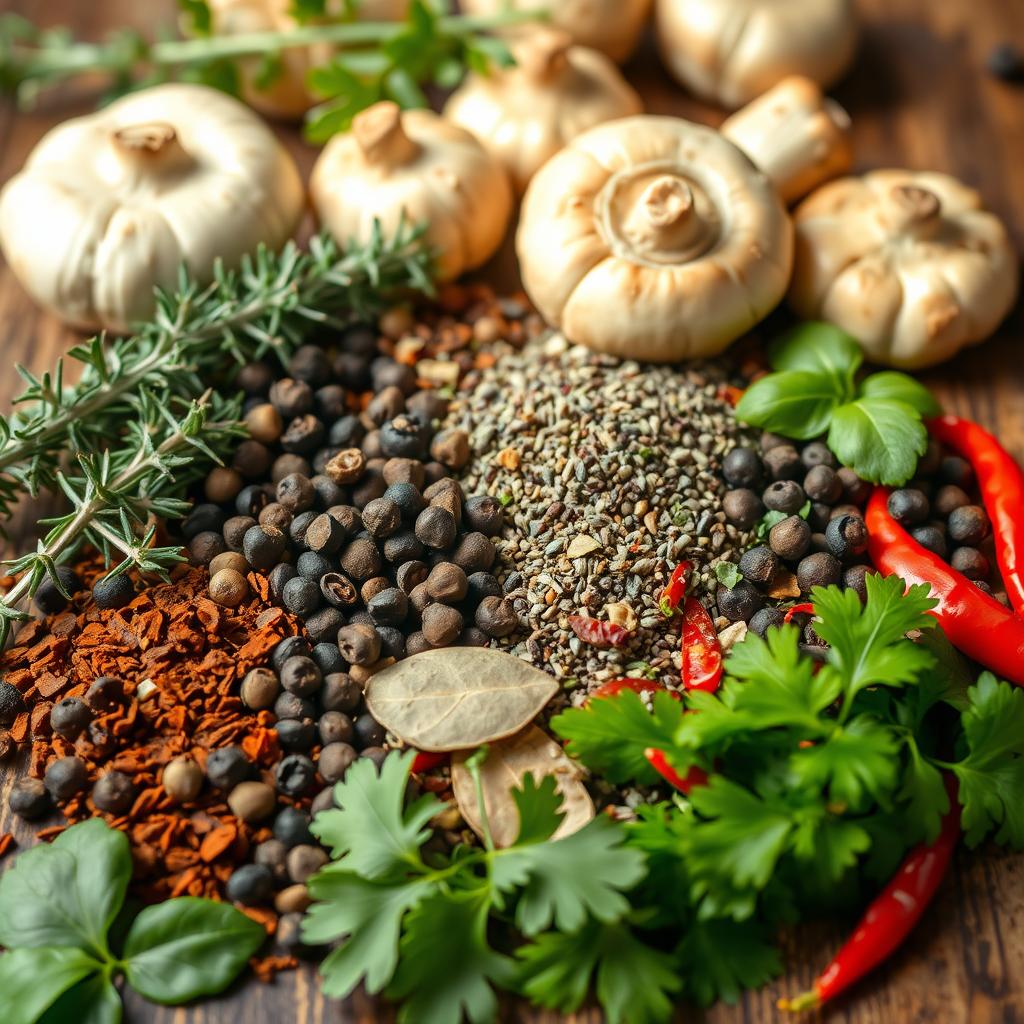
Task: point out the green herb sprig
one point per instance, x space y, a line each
57 906
874 424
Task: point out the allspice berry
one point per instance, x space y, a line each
474 553
304 861
264 423
334 761
447 583
29 799
252 801
359 644
436 527
114 793
11 703
229 560
65 777
260 688
497 617
361 560
441 625
229 588
182 780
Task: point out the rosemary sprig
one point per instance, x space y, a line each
268 306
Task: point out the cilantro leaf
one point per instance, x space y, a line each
728 574
367 915
923 797
795 403
900 387
447 969
821 348
880 438
371 833
827 844
991 777
565 881
867 640
722 958
634 982
539 806
610 734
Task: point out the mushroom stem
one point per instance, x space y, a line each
379 134
664 218
543 54
151 148
912 210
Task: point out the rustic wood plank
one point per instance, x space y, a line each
919 97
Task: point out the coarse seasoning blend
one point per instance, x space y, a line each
611 476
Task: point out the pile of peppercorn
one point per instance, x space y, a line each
807 511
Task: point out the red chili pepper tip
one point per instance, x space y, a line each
425 760
799 609
701 649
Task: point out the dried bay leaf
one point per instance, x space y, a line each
530 752
458 697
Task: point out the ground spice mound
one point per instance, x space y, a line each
194 652
610 473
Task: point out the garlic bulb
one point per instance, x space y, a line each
909 263
611 26
109 206
731 51
414 164
653 238
527 113
287 94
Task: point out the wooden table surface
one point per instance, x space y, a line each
919 97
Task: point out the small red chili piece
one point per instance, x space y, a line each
427 760
798 609
702 652
891 916
616 686
684 783
730 394
675 589
598 632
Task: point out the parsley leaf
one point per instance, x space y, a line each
882 439
923 797
722 958
539 805
610 734
728 574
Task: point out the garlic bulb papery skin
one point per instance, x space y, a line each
731 51
653 238
417 166
909 263
611 26
287 96
527 113
109 206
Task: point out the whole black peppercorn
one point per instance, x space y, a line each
65 777
300 675
301 596
250 884
822 483
285 465
765 618
955 470
381 517
235 529
113 591
404 471
12 703
105 693
389 607
251 499
272 854
389 374
784 463
473 637
330 403
817 453
361 560
310 364
328 493
340 693
742 508
1006 62
853 579
474 553
352 370
742 467
291 827
497 617
484 514
325 535
968 525
304 861
203 548
263 547
323 801
290 647
428 404
313 565
436 527
855 490
408 498
296 492
417 643
846 536
392 642
29 799
252 459
288 705
299 525
971 562
948 499
328 658
388 403
442 625
480 585
113 792
295 775
818 570
411 574
323 626
790 539
372 587
296 733
740 603
204 518
291 397
932 538
70 718
276 515
278 579
784 496
359 644
226 767
335 727
222 483
303 435
368 732
401 547
419 601
759 565
335 758
403 437
255 378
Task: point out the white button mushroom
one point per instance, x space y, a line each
527 113
109 206
611 26
908 263
414 165
653 238
730 51
287 94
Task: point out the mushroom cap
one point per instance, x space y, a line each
731 51
287 95
611 26
907 262
110 205
415 165
653 238
527 113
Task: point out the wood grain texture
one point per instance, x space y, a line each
919 97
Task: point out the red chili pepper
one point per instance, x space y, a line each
599 632
616 686
425 760
675 589
1001 482
730 394
973 620
891 916
702 653
684 783
798 609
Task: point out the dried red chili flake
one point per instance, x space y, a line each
7 843
599 632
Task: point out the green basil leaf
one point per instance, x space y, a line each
93 1001
901 388
67 893
728 574
31 980
188 947
819 348
795 403
878 438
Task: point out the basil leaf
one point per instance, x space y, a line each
880 439
67 893
31 980
728 574
819 348
93 1001
188 947
901 388
795 403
